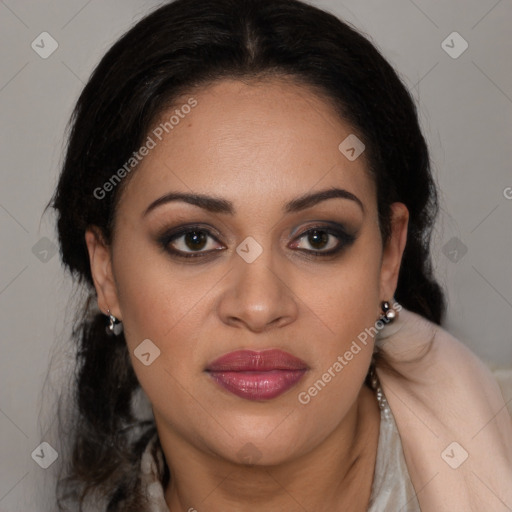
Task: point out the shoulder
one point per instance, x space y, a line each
440 373
150 475
450 414
429 354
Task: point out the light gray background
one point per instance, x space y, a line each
465 106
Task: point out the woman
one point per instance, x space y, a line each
247 197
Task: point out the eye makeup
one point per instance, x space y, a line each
180 242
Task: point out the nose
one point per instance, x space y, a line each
258 295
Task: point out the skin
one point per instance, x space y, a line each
258 145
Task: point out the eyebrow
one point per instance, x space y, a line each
219 205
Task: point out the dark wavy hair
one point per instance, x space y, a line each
192 43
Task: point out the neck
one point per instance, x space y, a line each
337 474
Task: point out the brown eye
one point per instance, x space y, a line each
195 240
318 239
189 242
323 240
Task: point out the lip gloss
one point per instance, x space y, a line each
257 375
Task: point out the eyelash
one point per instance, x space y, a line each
344 238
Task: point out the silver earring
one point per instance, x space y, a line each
388 313
115 327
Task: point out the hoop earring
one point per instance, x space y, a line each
115 326
388 313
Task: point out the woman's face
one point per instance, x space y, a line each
243 269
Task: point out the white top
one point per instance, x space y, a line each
392 489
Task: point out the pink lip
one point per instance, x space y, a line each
257 375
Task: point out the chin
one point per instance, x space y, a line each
263 444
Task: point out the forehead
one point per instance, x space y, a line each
263 141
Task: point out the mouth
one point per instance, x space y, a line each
257 375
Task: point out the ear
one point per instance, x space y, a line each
392 254
100 258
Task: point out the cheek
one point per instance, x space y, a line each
348 305
342 359
161 304
346 299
